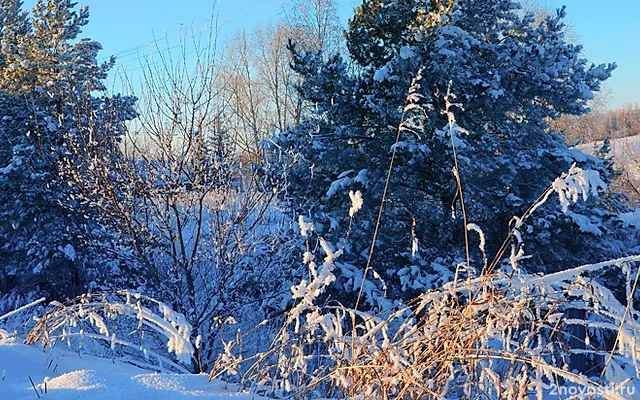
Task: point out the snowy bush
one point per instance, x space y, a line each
124 325
16 321
196 227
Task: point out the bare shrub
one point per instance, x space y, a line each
194 221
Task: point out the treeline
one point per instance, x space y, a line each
600 124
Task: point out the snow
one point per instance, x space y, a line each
577 183
478 230
584 224
70 376
584 91
305 227
381 74
18 310
406 52
356 202
344 181
578 155
631 218
496 93
179 342
625 152
69 252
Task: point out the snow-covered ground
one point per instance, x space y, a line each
625 152
70 376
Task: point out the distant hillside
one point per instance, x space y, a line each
597 125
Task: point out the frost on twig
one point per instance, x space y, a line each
306 292
305 227
570 187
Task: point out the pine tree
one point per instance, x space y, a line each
47 78
509 74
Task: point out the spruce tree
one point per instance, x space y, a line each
507 76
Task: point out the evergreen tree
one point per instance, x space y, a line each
47 77
510 75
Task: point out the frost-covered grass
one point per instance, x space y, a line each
120 345
500 334
497 334
124 325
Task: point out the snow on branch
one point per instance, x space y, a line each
577 183
109 318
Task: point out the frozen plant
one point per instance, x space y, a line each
498 335
120 324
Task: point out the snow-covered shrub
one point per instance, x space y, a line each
17 321
125 325
498 334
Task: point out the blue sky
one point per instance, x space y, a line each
609 31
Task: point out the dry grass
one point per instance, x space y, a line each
487 337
